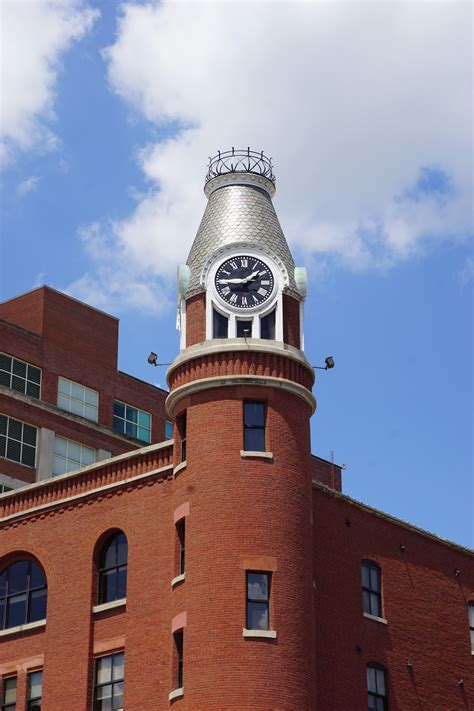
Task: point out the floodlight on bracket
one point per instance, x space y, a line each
153 358
329 364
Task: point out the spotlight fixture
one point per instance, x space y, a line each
460 681
330 363
457 572
402 547
410 665
153 358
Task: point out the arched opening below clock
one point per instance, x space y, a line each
220 325
267 326
243 328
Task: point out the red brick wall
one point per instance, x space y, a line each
196 319
326 473
25 311
291 321
424 603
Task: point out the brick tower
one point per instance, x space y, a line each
240 398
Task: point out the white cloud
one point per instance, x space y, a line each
354 101
34 36
28 185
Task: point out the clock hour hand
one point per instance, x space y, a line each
250 277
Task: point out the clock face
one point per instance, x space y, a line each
244 282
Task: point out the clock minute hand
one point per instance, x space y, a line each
250 277
231 281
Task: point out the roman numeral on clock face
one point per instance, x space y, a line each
233 265
244 262
262 292
233 298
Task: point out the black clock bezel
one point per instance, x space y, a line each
258 302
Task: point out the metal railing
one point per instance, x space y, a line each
240 161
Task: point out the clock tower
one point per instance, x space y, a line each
240 399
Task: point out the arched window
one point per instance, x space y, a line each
113 568
377 687
23 594
371 588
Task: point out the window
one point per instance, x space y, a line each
113 569
181 532
220 325
9 694
69 455
371 588
35 691
182 428
20 376
376 688
4 488
108 683
258 601
17 441
471 623
132 422
78 399
23 594
243 328
267 326
178 642
254 426
168 430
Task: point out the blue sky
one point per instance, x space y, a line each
109 116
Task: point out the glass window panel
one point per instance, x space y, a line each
243 329
168 430
9 690
105 692
365 576
76 407
110 553
380 679
2 613
37 576
91 397
374 579
90 412
3 424
13 450
372 703
471 614
104 670
257 586
118 663
5 362
19 368
371 679
380 705
14 429
118 697
3 584
374 604
29 434
37 605
64 386
28 456
18 384
122 549
121 583
59 465
88 455
366 601
34 374
60 446
33 390
35 684
472 640
108 585
3 445
220 325
119 425
257 615
267 326
254 414
77 391
131 414
74 451
144 434
16 610
63 401
18 576
5 378
254 440
119 409
131 429
144 419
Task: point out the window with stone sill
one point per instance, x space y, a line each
131 421
23 594
471 623
9 694
35 691
371 588
179 658
254 426
78 399
20 376
109 682
17 441
113 569
377 688
258 601
70 455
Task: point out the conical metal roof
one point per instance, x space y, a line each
239 212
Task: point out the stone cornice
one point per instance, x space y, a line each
229 380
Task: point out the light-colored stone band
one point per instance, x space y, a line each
228 380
